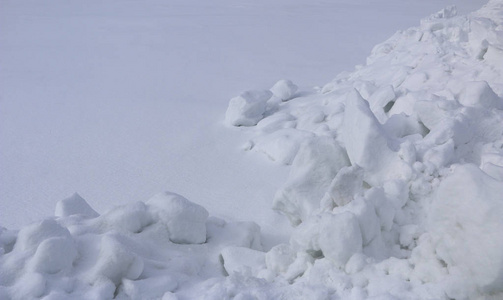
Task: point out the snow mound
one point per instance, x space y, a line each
396 187
137 251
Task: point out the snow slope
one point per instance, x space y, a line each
394 192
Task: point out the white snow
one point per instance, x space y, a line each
284 89
248 108
395 169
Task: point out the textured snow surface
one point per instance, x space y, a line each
395 192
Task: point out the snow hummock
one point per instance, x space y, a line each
394 192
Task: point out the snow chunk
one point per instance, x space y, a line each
346 184
467 225
248 108
340 237
149 288
242 260
74 205
186 221
313 169
367 144
31 236
282 145
284 89
381 102
115 262
280 257
130 218
54 255
480 94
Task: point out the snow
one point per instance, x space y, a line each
248 108
284 89
395 169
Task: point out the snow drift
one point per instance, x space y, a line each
395 192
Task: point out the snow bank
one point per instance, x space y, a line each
397 192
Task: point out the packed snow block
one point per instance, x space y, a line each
365 213
316 164
54 255
340 237
479 94
466 224
115 261
129 218
74 205
186 221
248 108
284 89
282 145
401 125
30 237
280 257
492 164
367 144
242 260
381 102
148 288
236 234
345 186
430 113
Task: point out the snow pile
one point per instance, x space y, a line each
138 251
395 192
396 168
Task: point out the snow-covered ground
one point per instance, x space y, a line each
391 175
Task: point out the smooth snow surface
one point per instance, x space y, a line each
395 169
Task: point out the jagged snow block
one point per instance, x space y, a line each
74 205
31 236
54 255
282 145
130 218
248 108
480 94
346 184
284 89
186 221
313 169
367 144
242 260
340 237
148 288
381 101
466 224
115 262
280 257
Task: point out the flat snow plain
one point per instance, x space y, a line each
122 100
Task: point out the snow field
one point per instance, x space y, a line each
394 190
